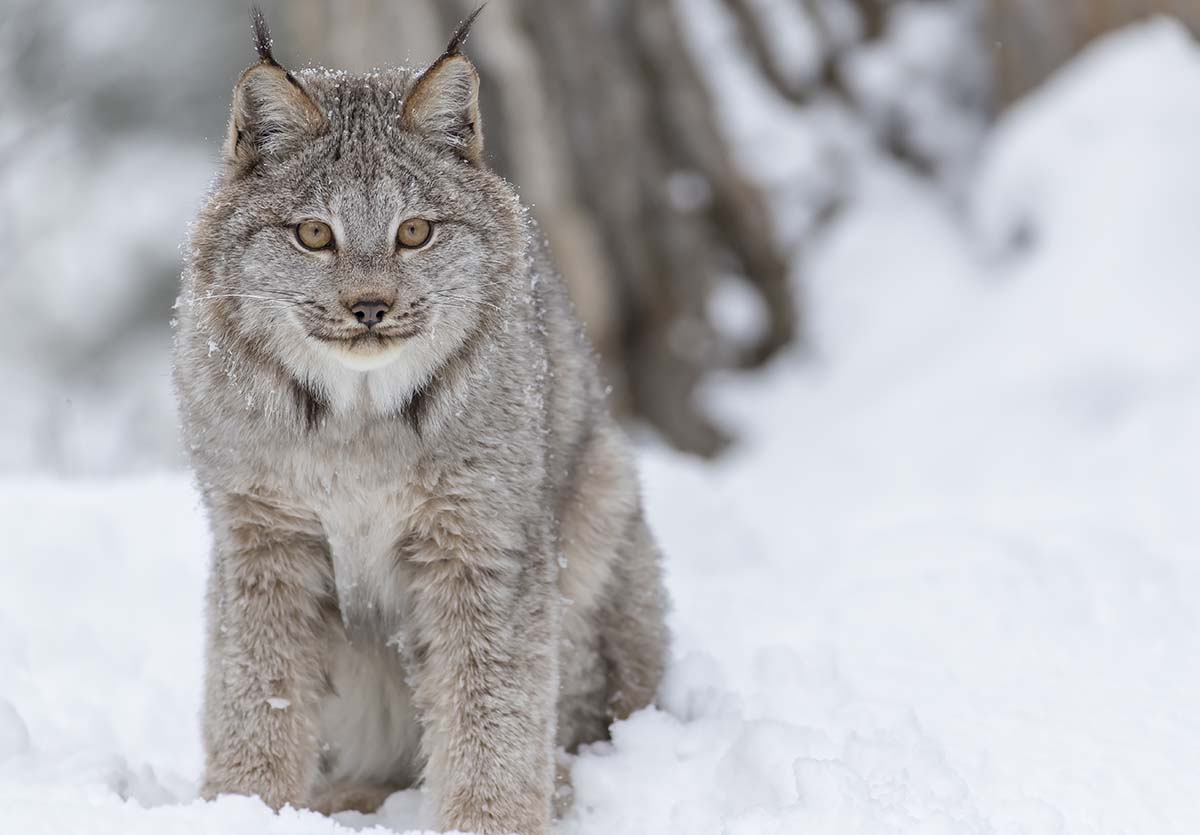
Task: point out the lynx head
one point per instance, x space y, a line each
356 225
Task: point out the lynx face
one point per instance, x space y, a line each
355 222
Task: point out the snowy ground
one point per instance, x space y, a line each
949 584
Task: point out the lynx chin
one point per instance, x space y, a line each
430 560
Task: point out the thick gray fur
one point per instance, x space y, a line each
430 558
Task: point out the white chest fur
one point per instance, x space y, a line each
368 722
364 525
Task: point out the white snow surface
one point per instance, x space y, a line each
948 584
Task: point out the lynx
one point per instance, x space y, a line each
430 562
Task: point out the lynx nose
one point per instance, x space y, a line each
370 311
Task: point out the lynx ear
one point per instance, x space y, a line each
272 115
443 104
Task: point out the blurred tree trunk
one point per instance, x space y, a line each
1033 38
598 113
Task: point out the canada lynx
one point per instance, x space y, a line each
430 560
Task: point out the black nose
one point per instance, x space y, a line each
370 312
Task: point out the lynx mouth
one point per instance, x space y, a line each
365 340
365 351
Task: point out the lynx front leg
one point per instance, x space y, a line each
486 684
268 607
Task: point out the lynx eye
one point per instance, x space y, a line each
313 234
414 232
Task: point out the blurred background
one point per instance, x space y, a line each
682 156
901 299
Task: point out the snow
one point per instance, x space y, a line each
101 167
947 584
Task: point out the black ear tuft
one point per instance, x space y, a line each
443 102
460 34
272 114
262 36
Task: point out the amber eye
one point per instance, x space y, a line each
414 232
313 234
